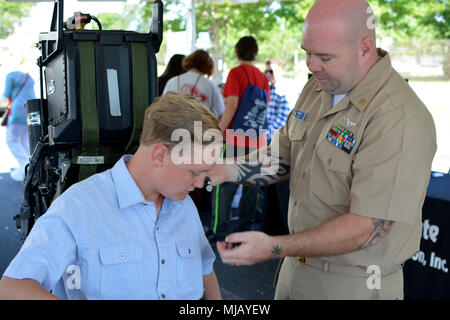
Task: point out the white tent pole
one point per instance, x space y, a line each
191 31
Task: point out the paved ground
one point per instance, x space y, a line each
11 195
10 198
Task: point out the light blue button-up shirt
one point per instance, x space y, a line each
101 240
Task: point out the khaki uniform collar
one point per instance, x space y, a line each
367 88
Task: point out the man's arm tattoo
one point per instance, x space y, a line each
378 233
276 250
255 172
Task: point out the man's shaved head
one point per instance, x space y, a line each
339 39
351 20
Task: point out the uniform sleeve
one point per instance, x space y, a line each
392 166
46 253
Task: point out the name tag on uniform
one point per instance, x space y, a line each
341 137
300 115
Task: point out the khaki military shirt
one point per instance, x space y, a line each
369 155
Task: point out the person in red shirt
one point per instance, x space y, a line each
238 79
246 51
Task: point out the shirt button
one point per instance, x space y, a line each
163 261
122 256
303 175
329 161
163 296
295 203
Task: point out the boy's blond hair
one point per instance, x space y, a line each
175 111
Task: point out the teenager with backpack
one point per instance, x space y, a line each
247 94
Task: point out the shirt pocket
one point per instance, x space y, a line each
121 271
331 174
188 266
332 158
296 130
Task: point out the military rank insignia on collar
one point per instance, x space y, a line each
341 137
300 115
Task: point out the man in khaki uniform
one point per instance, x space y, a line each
358 147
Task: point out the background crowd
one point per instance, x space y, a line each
190 75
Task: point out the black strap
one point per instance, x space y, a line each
248 79
196 81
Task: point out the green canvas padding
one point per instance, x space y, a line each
139 67
89 113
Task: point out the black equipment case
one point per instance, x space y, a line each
95 87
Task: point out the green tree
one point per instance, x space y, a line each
227 22
417 20
277 25
111 21
10 14
274 25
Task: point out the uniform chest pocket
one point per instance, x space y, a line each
121 271
331 174
188 265
333 158
296 130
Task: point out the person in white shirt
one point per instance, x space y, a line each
199 66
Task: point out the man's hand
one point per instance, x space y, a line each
247 248
344 234
221 173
